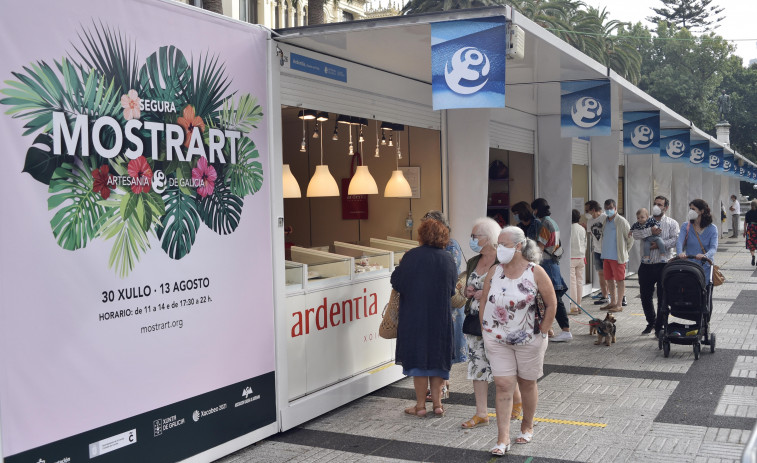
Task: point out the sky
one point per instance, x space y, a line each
737 23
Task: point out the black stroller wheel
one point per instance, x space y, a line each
666 349
697 348
712 343
659 342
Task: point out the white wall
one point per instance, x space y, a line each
555 179
468 168
604 167
662 173
679 203
639 188
695 183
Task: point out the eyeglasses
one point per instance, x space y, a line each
474 236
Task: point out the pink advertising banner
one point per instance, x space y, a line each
136 321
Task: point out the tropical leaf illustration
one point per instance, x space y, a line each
40 161
130 241
166 76
210 84
143 206
39 92
222 210
178 227
110 53
79 216
247 113
246 176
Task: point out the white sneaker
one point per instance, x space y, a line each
564 336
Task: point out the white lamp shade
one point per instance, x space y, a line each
362 183
397 186
291 186
322 183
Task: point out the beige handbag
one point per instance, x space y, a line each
459 299
390 317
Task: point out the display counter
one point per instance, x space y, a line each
334 353
399 249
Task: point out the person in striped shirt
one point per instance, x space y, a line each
650 272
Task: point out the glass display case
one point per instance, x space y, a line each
398 248
322 266
366 260
294 272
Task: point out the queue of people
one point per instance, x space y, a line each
513 291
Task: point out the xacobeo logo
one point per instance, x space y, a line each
468 66
675 149
714 161
586 112
642 137
697 156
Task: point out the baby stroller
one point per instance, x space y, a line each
686 295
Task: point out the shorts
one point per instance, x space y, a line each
525 360
598 261
614 271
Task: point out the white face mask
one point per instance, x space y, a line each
505 254
656 211
588 216
692 214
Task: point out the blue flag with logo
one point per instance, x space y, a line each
674 145
728 164
641 132
585 109
699 152
715 158
468 63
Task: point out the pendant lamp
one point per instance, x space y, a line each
362 183
323 183
291 187
397 186
303 145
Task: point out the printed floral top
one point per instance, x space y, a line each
511 307
477 281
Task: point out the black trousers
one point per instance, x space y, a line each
562 315
649 276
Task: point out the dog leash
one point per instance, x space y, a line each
579 306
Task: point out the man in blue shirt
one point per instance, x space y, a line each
616 243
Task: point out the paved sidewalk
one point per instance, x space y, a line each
624 403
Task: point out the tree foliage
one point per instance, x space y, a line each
694 15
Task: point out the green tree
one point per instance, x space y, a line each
741 84
695 15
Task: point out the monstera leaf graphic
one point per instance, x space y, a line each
246 175
178 227
222 210
79 215
166 76
40 161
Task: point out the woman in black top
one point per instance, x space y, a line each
750 228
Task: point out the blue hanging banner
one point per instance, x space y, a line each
585 108
468 63
715 158
699 153
728 164
641 132
674 145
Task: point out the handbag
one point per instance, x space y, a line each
472 325
390 317
541 309
459 299
717 276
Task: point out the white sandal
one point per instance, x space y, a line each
500 450
525 436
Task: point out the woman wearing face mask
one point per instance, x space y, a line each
483 240
515 338
698 236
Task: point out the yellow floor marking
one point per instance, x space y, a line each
575 423
382 367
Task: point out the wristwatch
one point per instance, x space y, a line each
544 335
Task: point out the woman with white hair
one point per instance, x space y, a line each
515 332
483 240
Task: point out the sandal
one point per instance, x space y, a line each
475 422
439 411
415 411
500 450
524 437
517 411
575 312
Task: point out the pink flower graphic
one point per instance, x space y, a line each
500 314
208 176
130 103
141 172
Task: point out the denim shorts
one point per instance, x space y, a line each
598 261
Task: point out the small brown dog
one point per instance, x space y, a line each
605 331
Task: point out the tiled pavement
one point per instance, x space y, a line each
625 403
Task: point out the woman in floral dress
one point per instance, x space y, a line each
515 336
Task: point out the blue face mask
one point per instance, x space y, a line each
610 212
517 218
475 247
